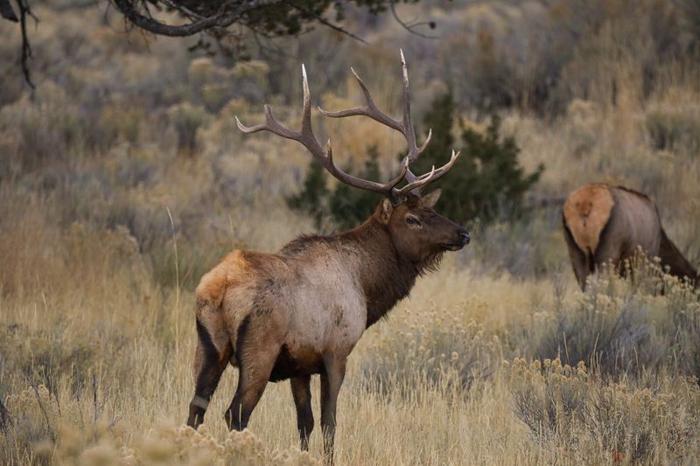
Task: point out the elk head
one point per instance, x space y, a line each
418 232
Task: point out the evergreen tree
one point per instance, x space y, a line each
312 199
344 205
349 206
487 181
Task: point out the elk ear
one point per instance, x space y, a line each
385 210
429 200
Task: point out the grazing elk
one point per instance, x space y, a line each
301 311
609 224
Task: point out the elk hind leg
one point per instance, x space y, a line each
209 364
580 260
301 391
257 349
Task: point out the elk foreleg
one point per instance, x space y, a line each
301 391
331 381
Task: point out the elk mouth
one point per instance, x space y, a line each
453 246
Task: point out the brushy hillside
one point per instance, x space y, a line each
123 179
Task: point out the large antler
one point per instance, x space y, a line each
325 155
405 127
307 138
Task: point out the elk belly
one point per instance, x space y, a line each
295 362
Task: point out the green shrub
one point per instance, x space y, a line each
568 408
345 206
312 198
348 206
487 181
674 128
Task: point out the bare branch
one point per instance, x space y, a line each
328 24
411 27
220 19
24 11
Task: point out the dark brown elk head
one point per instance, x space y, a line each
417 231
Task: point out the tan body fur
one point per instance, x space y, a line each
608 225
295 299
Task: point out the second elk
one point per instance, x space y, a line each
608 225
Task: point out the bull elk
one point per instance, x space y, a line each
609 224
301 311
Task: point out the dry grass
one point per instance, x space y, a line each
111 209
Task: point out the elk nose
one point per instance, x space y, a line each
464 237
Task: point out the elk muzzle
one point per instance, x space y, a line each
461 240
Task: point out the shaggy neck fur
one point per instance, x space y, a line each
384 274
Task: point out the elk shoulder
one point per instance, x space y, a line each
586 212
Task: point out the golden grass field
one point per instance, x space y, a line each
109 215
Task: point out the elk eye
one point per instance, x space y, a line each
411 220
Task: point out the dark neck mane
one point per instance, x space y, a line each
385 276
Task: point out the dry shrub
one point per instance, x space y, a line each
46 357
673 123
528 247
570 411
623 328
444 357
43 431
187 119
214 85
37 131
119 122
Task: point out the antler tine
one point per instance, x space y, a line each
307 133
370 109
409 130
405 126
305 136
410 177
271 124
418 182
